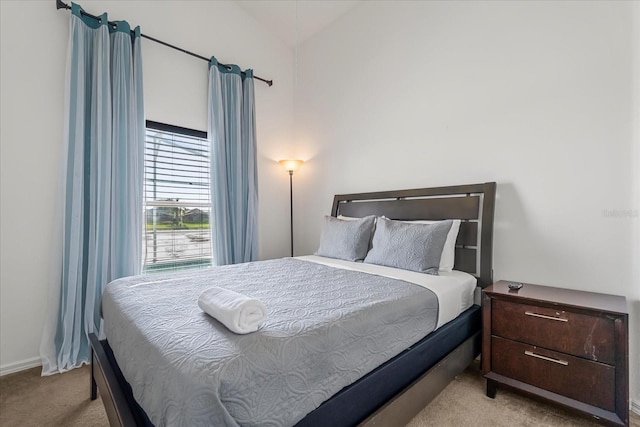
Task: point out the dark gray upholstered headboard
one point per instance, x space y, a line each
474 204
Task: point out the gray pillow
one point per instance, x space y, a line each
348 240
416 247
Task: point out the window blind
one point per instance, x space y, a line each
177 199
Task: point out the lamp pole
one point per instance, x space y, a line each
291 166
291 207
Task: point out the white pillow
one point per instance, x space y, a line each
449 250
347 218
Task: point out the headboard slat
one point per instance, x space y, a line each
408 209
466 260
468 234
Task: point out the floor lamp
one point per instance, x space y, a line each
291 166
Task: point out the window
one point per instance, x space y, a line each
177 201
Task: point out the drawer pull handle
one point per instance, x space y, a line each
549 359
559 319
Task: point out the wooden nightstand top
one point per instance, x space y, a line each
567 297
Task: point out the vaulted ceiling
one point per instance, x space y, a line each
294 21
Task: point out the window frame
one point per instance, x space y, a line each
187 263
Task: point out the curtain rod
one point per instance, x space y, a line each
62 5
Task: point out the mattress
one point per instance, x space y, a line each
327 327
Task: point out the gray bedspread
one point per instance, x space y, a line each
325 329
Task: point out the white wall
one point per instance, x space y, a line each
33 47
541 97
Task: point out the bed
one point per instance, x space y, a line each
388 386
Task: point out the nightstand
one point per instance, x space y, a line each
566 346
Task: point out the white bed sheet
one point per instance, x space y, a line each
454 289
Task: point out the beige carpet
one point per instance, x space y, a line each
26 399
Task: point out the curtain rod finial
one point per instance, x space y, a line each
62 5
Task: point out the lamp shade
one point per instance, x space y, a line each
291 165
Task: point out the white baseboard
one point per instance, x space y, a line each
11 368
635 406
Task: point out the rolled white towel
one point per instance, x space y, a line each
236 311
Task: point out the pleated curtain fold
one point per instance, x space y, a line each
234 180
99 230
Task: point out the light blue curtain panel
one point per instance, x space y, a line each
99 234
234 180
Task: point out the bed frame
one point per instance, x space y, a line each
474 205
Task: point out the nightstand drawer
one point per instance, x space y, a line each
580 379
580 335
